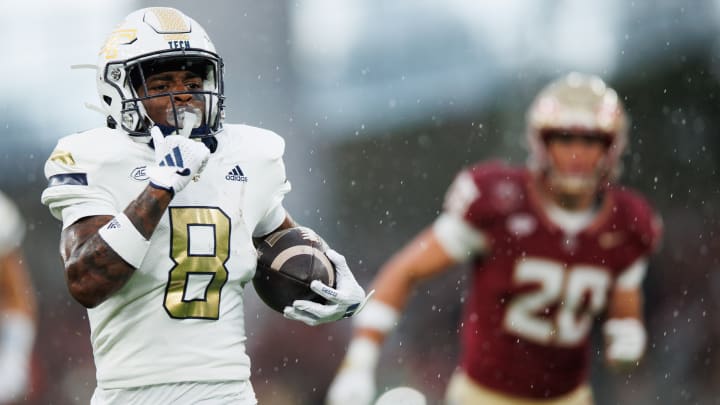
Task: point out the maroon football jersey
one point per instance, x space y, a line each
536 292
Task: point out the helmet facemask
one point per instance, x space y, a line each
577 182
206 103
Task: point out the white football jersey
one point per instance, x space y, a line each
180 316
12 229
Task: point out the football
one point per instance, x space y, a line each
288 261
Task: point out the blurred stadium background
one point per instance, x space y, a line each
381 103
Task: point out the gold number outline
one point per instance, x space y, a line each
181 218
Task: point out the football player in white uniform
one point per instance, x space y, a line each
17 307
160 209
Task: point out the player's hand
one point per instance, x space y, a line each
14 371
354 383
178 158
352 386
344 301
626 340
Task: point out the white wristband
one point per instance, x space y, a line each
378 316
362 353
17 335
626 339
122 236
459 240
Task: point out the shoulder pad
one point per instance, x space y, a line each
76 160
487 191
78 153
265 144
502 187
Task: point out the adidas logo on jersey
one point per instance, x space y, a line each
236 174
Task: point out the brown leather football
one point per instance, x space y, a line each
288 261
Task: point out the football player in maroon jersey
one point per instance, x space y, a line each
553 245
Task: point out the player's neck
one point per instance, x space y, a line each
571 212
571 222
576 201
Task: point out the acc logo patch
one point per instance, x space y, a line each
139 173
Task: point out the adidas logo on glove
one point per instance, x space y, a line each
113 224
236 174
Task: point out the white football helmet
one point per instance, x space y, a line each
152 40
583 104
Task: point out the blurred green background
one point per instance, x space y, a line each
381 103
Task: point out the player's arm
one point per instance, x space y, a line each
451 239
626 303
624 330
16 292
421 258
102 252
17 325
94 269
625 334
287 223
448 241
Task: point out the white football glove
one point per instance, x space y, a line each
17 334
354 383
344 301
14 370
178 158
626 339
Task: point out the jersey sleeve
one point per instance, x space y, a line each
275 186
485 193
12 230
633 276
276 213
459 228
644 228
644 223
74 189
